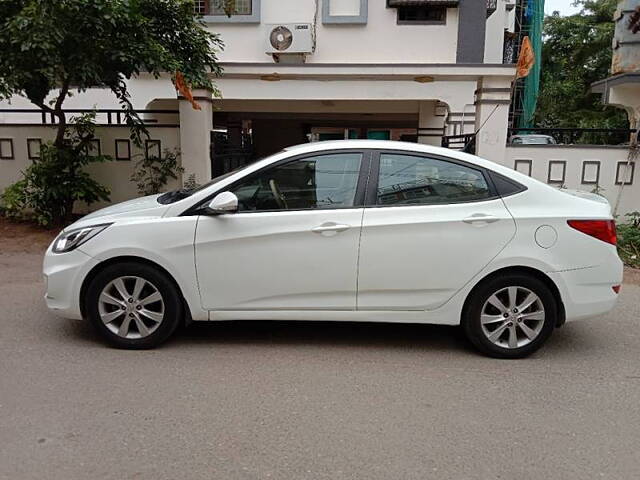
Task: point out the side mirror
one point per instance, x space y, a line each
225 202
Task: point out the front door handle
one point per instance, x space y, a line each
480 219
330 227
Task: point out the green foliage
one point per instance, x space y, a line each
629 240
57 179
577 52
79 44
49 48
153 173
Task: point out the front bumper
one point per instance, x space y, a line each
63 277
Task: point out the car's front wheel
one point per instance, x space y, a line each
510 316
133 305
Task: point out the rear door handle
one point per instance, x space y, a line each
330 227
480 219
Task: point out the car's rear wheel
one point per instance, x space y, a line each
133 305
510 316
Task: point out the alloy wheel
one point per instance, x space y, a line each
131 307
512 317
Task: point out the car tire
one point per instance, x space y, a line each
510 316
133 305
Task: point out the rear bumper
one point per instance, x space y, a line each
63 276
587 292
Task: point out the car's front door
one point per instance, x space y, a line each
293 244
431 225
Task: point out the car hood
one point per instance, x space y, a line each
138 207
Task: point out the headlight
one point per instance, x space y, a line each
67 241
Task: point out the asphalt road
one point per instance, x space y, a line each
311 400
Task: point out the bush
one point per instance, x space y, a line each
152 174
629 240
56 180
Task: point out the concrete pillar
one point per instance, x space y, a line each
494 34
627 96
493 98
195 136
430 125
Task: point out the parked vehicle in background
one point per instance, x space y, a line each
355 230
532 140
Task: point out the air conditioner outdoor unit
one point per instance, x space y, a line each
289 38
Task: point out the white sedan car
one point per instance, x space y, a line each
359 230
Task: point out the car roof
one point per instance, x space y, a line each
329 145
381 144
387 145
333 145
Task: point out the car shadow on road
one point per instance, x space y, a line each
302 333
357 334
570 341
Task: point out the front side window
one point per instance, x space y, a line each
417 180
319 182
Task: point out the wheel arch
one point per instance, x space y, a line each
130 259
521 269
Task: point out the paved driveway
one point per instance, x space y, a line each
298 401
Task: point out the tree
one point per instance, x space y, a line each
577 52
54 181
50 48
55 47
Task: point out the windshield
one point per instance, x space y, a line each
182 193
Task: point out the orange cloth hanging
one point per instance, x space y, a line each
185 91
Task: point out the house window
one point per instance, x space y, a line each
590 172
244 11
6 149
345 12
152 149
201 7
242 7
523 166
624 173
123 150
415 14
557 172
94 149
33 148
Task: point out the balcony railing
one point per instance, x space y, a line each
104 117
580 136
465 143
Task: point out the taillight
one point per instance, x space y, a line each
604 230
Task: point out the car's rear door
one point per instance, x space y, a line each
430 225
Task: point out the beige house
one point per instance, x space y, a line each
428 71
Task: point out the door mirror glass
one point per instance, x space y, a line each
225 202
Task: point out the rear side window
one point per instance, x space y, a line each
505 186
416 180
